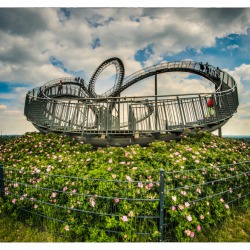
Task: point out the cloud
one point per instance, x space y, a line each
40 44
2 107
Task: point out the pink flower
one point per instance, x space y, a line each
184 177
227 206
199 228
128 178
188 232
197 161
140 185
174 198
67 228
53 195
65 188
124 218
88 159
35 206
109 168
123 162
110 160
187 204
15 184
14 201
189 218
92 201
173 208
221 199
181 207
73 191
192 235
198 190
116 200
183 193
202 217
150 184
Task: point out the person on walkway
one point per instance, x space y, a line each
210 108
60 87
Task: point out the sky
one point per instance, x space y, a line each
42 43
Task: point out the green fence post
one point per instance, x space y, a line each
161 212
1 181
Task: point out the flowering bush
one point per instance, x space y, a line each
112 194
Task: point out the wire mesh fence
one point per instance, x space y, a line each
87 209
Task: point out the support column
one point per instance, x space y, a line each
156 108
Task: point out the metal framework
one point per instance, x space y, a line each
71 106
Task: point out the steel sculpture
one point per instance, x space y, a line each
72 106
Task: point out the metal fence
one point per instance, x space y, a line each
96 206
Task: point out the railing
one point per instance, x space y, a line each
126 210
147 114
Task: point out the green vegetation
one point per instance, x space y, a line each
58 178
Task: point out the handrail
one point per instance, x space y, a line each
51 108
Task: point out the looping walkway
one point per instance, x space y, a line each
71 106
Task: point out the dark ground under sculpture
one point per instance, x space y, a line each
71 106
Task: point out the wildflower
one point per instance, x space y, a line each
189 218
14 201
173 208
147 187
188 232
123 162
150 184
53 195
128 178
221 199
183 193
109 168
88 159
91 200
199 228
73 191
174 198
35 206
113 176
140 185
131 214
67 228
73 183
15 184
202 217
192 235
124 218
116 200
181 207
110 160
197 161
65 188
230 190
198 190
184 177
227 206
187 204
